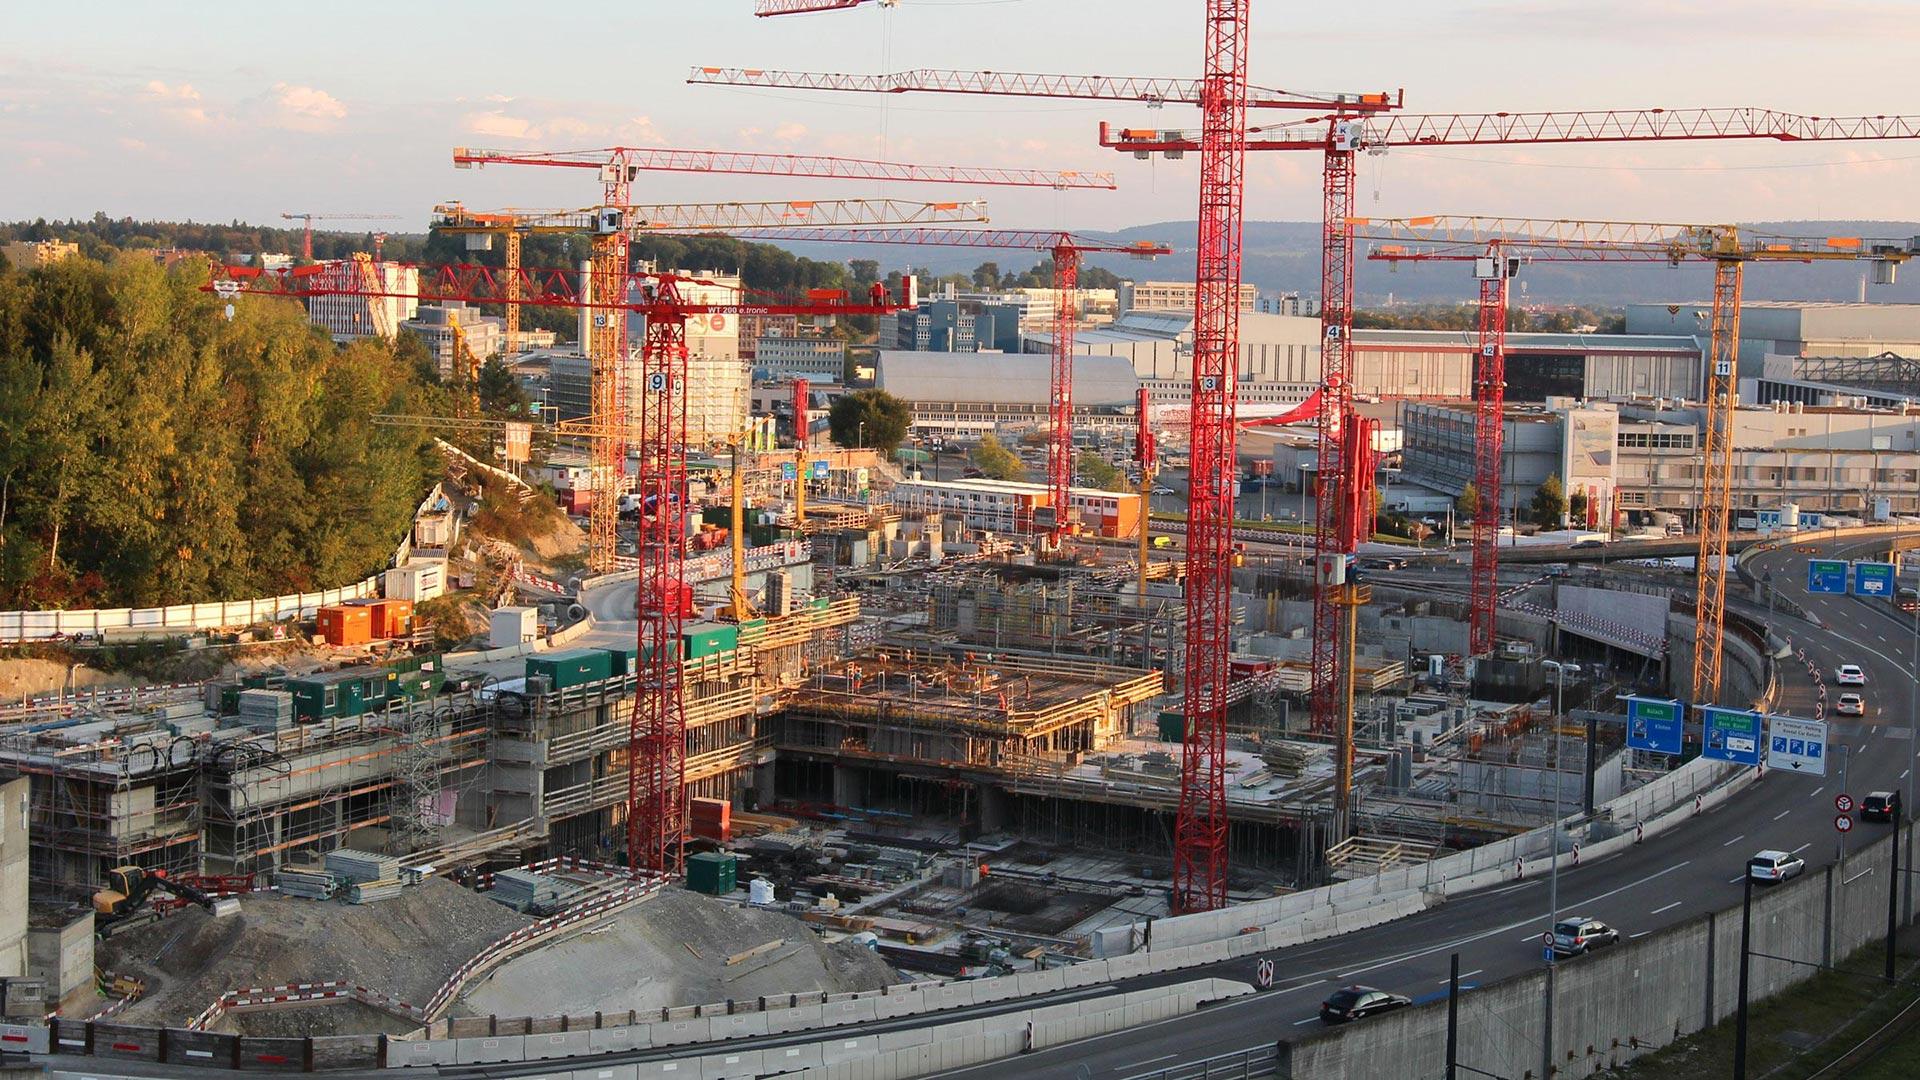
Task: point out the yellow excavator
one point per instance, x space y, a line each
122 905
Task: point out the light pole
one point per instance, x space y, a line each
860 435
1560 670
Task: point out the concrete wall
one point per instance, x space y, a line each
13 877
62 957
1629 1000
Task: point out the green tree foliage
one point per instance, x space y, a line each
870 418
1468 504
1566 320
500 392
1549 504
1098 472
151 452
995 461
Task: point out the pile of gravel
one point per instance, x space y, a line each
405 948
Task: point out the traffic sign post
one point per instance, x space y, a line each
1873 579
1730 735
1797 745
1655 725
1827 576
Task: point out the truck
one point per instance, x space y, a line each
1420 503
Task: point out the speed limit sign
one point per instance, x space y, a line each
1843 802
1263 974
1843 822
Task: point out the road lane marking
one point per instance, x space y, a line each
1297 1023
1735 880
1801 848
1641 934
1669 907
1781 814
1904 772
1815 793
1446 946
1463 975
1735 840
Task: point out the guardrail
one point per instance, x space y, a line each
1240 1065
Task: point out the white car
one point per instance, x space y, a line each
1163 491
1851 705
1849 675
1774 866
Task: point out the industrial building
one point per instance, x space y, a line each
1645 456
345 316
820 359
1177 296
967 322
1011 506
975 394
485 335
1793 328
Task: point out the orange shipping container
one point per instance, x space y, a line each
345 625
391 618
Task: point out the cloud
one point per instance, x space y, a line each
305 108
181 102
496 124
790 132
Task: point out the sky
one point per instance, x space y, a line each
174 109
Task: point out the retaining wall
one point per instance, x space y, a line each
1625 1001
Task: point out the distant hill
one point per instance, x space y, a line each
1284 256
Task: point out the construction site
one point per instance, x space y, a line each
788 718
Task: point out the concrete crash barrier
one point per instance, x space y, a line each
488 1051
420 1053
26 1038
559 1045
346 1052
202 1049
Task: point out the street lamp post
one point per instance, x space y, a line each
1560 670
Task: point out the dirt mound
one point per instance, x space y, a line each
404 947
672 950
28 677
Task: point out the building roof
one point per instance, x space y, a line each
1523 342
1002 378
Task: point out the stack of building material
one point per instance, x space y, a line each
1287 760
266 710
370 892
711 819
306 882
525 891
362 866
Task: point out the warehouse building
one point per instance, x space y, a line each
975 394
1793 328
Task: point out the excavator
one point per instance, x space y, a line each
122 905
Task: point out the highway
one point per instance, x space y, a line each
1693 868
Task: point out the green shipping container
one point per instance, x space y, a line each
712 872
574 667
623 660
818 603
1173 726
702 639
337 694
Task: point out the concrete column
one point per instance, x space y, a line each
846 786
765 792
993 808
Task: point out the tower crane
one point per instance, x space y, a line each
763 8
656 737
306 226
1152 92
1066 250
1340 137
1503 241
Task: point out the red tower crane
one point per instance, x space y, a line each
1339 137
306 222
632 160
656 742
1066 249
763 8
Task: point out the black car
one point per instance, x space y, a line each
1881 806
1359 1002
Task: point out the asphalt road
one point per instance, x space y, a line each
1692 868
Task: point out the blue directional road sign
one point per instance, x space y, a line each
1797 745
1655 725
820 470
1827 576
788 470
1730 735
1873 579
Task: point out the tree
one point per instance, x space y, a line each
995 461
500 392
870 418
1468 504
1549 506
1577 507
986 276
1098 472
864 271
